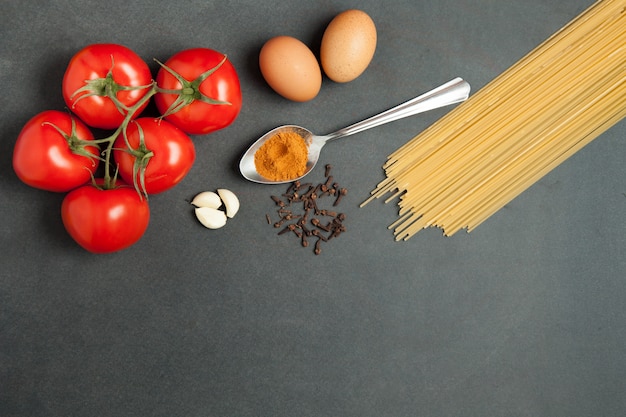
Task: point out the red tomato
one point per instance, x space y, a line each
100 72
207 93
104 221
51 152
160 154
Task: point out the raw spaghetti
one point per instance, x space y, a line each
520 126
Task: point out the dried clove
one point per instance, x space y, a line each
293 187
316 222
301 186
318 248
308 193
280 222
319 235
278 201
289 228
342 192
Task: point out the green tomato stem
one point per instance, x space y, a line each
109 181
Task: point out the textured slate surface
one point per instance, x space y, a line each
523 317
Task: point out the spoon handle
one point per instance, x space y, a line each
454 91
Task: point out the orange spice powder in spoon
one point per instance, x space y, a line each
283 157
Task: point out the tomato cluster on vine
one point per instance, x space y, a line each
108 180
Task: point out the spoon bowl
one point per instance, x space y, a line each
452 92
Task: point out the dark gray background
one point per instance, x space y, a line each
523 317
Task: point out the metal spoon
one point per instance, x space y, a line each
454 91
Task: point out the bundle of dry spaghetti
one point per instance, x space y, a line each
528 120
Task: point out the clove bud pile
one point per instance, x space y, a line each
301 212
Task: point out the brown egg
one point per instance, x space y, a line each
290 68
348 45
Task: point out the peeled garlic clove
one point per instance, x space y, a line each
207 199
231 202
211 218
